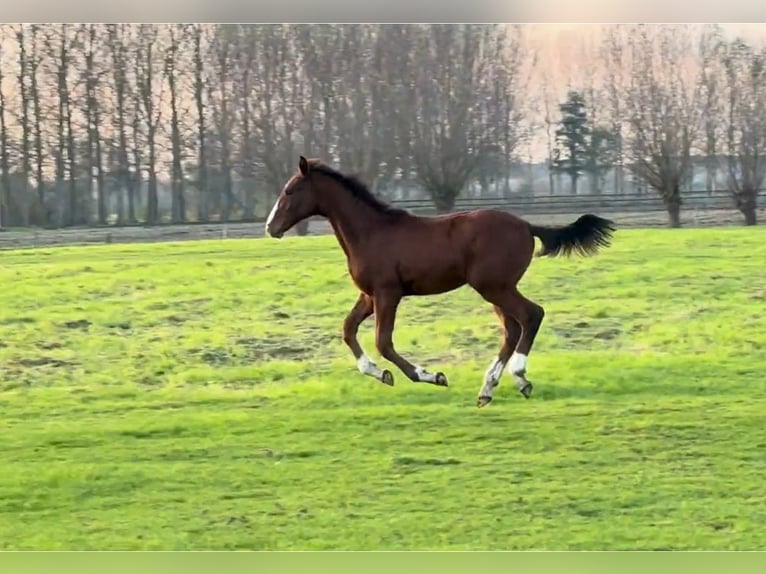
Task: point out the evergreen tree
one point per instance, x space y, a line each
572 138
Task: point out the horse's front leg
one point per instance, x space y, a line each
386 304
361 310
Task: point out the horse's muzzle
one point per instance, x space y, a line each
274 234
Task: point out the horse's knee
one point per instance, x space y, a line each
536 314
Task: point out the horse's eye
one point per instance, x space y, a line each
289 190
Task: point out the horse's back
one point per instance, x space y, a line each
481 216
471 234
477 223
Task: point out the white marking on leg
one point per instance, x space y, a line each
367 367
492 377
423 375
517 366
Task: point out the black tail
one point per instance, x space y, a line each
584 236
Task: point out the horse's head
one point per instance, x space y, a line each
296 202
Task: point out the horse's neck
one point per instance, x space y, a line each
352 222
339 235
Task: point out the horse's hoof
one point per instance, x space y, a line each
387 378
441 380
483 401
526 390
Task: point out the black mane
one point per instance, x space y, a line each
359 190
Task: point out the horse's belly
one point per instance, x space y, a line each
434 282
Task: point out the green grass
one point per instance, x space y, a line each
199 396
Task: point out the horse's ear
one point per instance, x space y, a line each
303 165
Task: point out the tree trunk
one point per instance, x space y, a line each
42 216
619 178
152 203
673 205
247 160
199 90
178 206
125 182
751 217
444 198
75 215
134 189
748 207
103 211
710 177
25 130
551 179
134 192
595 187
5 171
95 158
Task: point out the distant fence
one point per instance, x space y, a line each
699 209
553 204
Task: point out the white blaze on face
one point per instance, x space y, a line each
273 212
274 209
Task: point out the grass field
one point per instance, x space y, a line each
199 396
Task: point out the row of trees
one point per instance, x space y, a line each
93 118
91 115
665 94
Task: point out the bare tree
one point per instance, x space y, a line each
200 40
247 48
61 42
316 45
663 106
613 52
710 44
149 84
174 75
358 109
118 50
512 69
452 77
220 96
745 92
5 170
25 127
550 133
278 68
41 214
93 73
310 111
137 148
393 104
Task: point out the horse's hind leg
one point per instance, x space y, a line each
511 334
529 315
385 317
361 310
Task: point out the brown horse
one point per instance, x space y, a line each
392 253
